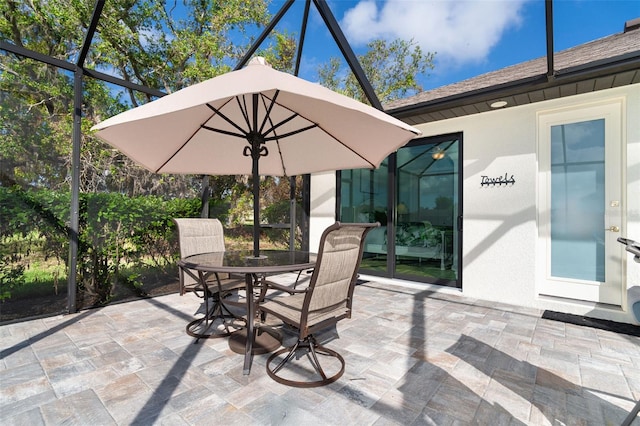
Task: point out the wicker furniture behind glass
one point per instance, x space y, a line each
413 239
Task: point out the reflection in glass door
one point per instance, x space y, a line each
415 195
577 200
427 211
364 199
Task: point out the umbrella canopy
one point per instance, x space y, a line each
255 121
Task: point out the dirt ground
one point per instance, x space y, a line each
53 304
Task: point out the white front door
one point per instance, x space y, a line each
581 203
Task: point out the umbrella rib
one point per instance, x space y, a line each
267 116
228 120
242 106
341 143
176 152
286 120
321 128
292 133
224 132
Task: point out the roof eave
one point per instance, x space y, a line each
593 70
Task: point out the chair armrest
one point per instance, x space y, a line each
276 286
266 285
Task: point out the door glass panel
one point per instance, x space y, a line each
414 195
364 199
578 200
427 208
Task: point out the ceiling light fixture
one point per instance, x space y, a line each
438 153
499 104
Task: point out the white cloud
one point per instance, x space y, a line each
459 31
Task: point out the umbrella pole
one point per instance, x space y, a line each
256 143
256 205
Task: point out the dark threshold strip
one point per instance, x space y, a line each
616 327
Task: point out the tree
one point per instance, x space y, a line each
391 67
163 45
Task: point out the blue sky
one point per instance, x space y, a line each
469 37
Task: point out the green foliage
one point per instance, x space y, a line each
30 226
278 212
280 54
392 69
116 231
11 276
162 45
444 203
140 41
241 210
146 42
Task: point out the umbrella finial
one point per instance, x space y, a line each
259 60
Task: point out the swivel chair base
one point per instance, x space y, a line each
312 349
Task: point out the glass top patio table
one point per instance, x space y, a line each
244 262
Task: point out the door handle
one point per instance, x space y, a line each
612 228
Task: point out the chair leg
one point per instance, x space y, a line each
199 328
314 358
286 359
312 350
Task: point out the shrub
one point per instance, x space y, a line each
115 232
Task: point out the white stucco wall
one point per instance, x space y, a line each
323 206
500 223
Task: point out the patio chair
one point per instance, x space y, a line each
197 236
327 300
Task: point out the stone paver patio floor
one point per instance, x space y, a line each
415 356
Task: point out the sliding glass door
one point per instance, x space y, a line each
416 197
427 211
365 198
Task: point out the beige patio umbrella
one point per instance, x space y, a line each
255 121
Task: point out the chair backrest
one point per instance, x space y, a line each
197 236
334 277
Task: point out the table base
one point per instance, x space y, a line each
219 321
267 340
207 328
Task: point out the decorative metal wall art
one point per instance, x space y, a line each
497 181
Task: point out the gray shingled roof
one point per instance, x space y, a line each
588 67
